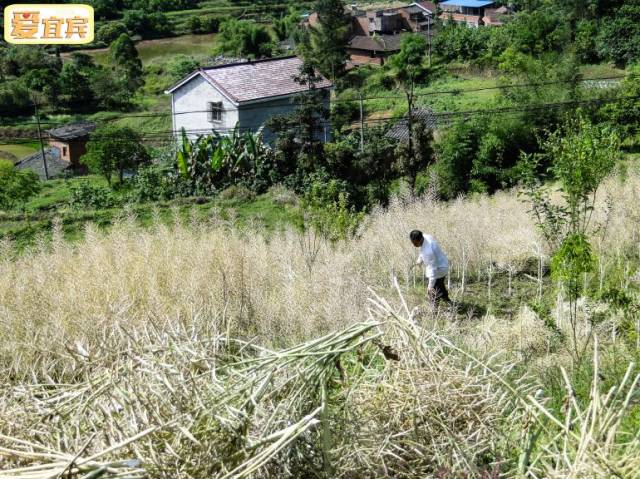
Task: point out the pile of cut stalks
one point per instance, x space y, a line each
393 396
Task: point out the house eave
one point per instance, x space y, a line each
423 8
190 77
182 82
278 97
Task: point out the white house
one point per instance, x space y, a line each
246 94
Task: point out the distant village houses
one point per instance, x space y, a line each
473 13
376 34
246 94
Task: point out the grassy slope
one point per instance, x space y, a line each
15 152
451 84
51 205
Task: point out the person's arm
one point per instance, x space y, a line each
429 260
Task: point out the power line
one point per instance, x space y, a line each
171 134
348 100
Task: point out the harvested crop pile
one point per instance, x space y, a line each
387 397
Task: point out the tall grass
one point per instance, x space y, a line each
272 288
208 350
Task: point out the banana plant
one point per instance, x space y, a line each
214 160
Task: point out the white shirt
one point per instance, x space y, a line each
436 264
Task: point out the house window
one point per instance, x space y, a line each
64 151
215 111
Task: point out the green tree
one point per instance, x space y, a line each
182 65
585 41
109 32
245 39
625 114
147 25
303 130
540 31
127 65
105 9
562 71
329 39
16 186
368 171
408 70
113 149
582 155
286 24
619 38
198 24
455 42
409 164
75 89
455 153
15 98
110 90
327 209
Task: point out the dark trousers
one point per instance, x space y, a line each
440 293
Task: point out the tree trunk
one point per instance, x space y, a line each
410 125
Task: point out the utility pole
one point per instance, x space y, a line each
410 123
44 158
361 122
429 19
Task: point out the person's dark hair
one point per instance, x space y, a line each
415 235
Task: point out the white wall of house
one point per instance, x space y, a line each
195 96
254 115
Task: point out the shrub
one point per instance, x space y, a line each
147 25
326 204
16 186
281 195
155 183
619 37
88 195
181 65
241 38
237 193
198 24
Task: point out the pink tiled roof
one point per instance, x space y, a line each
428 5
258 79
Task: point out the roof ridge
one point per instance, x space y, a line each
248 62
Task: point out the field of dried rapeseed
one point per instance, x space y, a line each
203 350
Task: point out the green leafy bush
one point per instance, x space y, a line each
326 206
156 183
242 38
181 65
88 195
197 24
237 193
16 186
619 37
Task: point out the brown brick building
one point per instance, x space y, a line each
71 141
